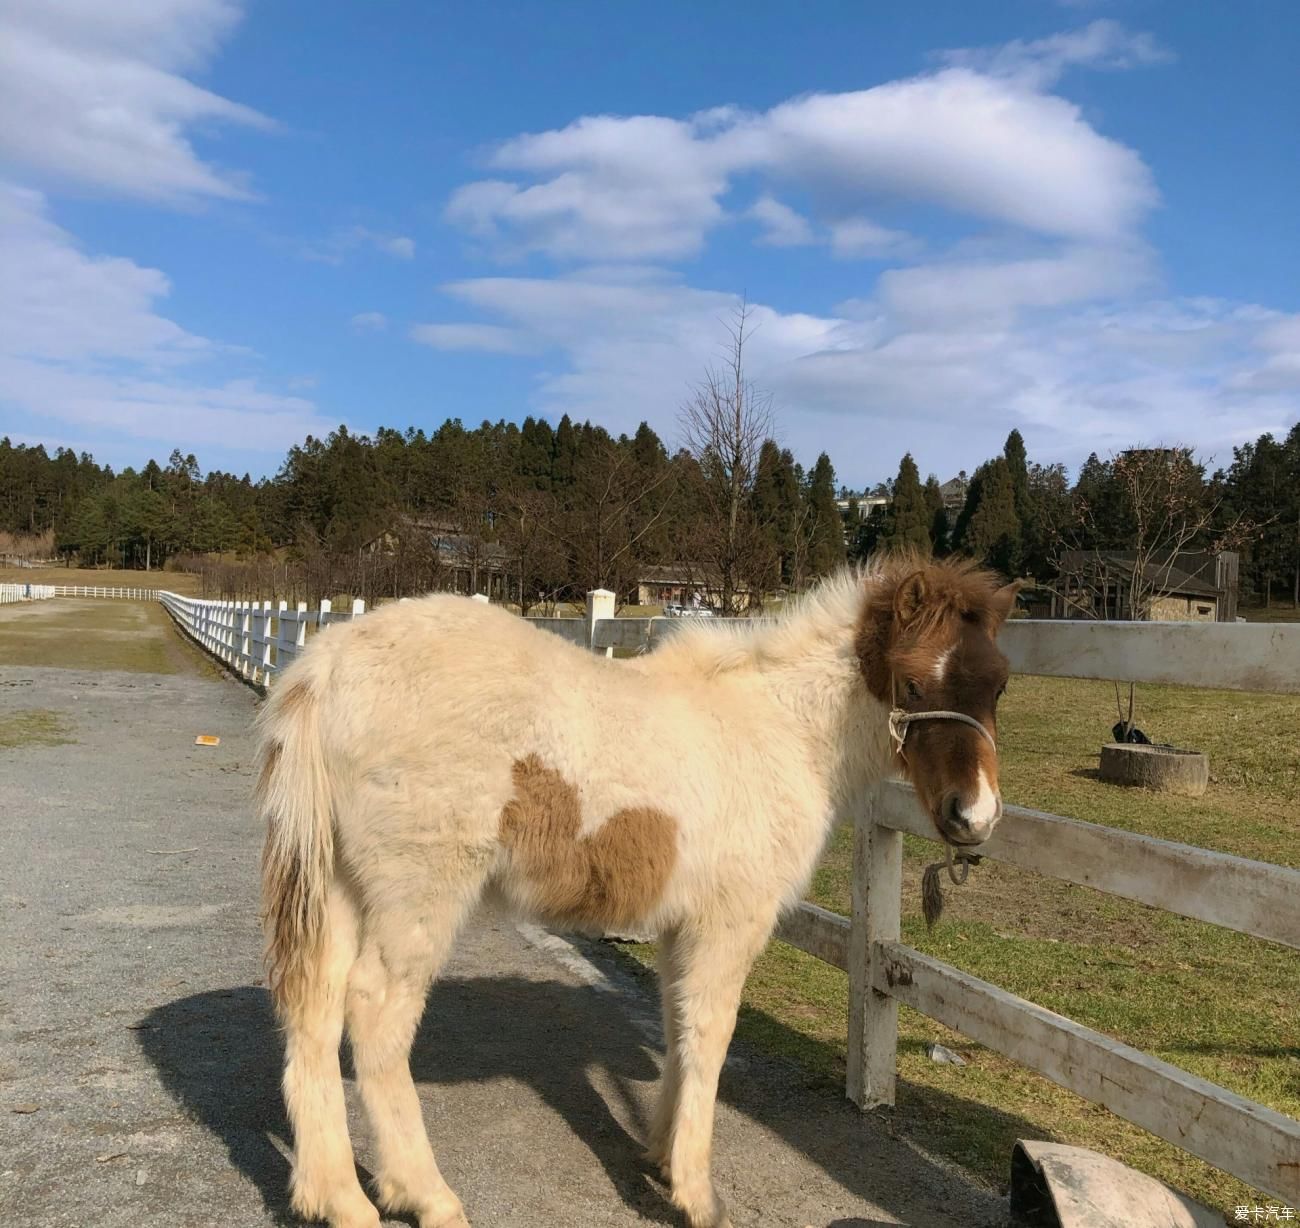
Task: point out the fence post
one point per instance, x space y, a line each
877 904
300 632
600 604
265 675
358 606
246 638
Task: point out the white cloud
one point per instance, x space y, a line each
638 188
855 237
488 338
991 289
1091 366
84 345
92 93
782 226
348 239
369 322
992 147
1040 62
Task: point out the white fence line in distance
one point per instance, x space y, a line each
10 593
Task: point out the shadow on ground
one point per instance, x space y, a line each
219 1055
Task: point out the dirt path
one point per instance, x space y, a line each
139 1062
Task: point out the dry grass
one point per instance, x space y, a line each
94 633
33 727
177 581
1208 1000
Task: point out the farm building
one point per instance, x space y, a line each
1175 586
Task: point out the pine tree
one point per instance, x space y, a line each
938 516
825 525
909 518
993 534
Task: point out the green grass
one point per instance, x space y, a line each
1208 1000
93 633
33 727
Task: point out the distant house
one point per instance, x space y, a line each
866 503
953 492
467 563
1186 586
683 584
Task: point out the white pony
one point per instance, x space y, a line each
437 749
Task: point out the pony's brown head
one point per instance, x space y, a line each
927 648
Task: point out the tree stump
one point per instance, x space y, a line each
1163 769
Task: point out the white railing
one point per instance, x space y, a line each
10 593
252 638
101 590
1256 1144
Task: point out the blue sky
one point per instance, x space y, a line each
225 226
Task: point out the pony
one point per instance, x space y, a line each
440 750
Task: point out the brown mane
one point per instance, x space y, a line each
930 597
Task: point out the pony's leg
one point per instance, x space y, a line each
402 951
712 965
324 1184
659 1146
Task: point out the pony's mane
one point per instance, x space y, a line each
833 613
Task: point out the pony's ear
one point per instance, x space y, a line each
909 598
1003 600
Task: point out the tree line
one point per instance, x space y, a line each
1021 516
571 507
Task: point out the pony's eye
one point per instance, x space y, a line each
913 691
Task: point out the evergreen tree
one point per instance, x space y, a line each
993 533
910 520
825 525
938 516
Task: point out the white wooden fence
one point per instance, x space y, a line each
10 593
252 638
1256 1144
100 590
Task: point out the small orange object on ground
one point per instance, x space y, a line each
207 739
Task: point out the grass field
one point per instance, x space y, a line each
1208 1000
177 581
95 633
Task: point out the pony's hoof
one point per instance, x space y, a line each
657 1158
338 1208
703 1207
455 1220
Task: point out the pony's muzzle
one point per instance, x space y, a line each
965 821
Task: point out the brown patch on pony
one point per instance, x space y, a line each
294 699
271 752
614 876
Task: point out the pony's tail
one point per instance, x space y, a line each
294 796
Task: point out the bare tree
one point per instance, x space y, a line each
1118 553
614 509
1159 509
723 426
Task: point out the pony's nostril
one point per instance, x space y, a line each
950 810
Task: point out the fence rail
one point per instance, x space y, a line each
10 593
1254 1143
99 590
252 638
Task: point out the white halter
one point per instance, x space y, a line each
900 720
